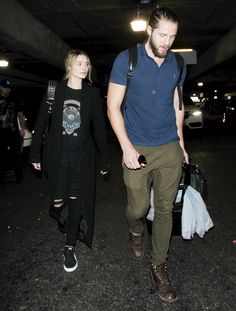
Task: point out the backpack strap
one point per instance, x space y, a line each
50 101
180 64
132 63
133 57
51 94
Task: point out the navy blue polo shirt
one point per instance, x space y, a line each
149 113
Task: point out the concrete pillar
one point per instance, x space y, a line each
21 31
219 52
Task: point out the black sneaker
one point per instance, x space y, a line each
70 261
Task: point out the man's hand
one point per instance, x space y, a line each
186 156
130 158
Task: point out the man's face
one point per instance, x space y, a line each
162 37
5 91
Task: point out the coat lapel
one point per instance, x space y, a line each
85 104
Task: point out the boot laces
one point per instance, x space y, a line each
161 273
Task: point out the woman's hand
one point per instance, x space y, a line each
37 166
106 172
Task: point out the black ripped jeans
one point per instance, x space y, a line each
68 188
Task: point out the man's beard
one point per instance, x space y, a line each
156 51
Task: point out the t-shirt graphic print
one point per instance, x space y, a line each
71 116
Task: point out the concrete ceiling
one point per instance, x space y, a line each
35 35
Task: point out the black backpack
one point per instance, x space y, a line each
133 58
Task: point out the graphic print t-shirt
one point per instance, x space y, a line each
71 122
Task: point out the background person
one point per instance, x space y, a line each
10 135
151 126
69 150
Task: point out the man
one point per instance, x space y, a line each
151 126
10 115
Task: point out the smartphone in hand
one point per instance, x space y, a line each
142 160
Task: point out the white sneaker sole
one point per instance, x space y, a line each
72 268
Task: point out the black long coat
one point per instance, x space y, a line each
92 126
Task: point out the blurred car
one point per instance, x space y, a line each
193 118
220 112
213 112
230 112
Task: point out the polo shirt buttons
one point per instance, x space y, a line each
154 92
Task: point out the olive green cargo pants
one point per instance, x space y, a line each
163 172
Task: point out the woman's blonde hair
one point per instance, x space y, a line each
71 59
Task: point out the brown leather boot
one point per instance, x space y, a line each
161 281
136 245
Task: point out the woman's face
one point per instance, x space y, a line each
80 67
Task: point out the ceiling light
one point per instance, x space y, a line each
3 63
138 24
189 55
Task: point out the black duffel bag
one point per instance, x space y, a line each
191 176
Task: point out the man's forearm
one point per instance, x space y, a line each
117 122
180 124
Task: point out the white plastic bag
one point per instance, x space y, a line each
195 217
188 219
203 219
150 215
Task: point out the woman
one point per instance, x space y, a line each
69 150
